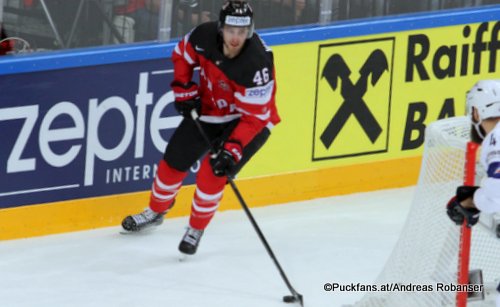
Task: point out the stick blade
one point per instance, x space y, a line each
294 299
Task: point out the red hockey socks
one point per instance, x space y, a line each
208 194
167 183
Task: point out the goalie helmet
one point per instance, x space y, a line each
237 14
484 96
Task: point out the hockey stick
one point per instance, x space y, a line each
295 297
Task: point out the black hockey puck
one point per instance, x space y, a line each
289 299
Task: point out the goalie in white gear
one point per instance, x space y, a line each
483 108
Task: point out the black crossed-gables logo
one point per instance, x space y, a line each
353 104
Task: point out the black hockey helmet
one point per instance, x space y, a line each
237 14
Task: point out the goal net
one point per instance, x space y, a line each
426 252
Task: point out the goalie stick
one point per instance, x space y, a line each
295 297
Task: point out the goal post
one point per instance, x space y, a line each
427 251
465 231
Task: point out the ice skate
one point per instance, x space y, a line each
190 241
146 219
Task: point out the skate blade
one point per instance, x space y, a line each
143 231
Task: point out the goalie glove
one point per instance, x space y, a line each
457 213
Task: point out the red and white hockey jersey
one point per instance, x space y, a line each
243 86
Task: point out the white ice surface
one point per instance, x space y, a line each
344 239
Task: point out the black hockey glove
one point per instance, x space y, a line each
457 213
225 160
186 98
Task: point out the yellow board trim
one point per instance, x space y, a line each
89 213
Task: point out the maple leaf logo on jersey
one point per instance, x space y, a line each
224 86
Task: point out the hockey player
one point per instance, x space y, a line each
483 108
235 97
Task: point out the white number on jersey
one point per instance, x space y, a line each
261 77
